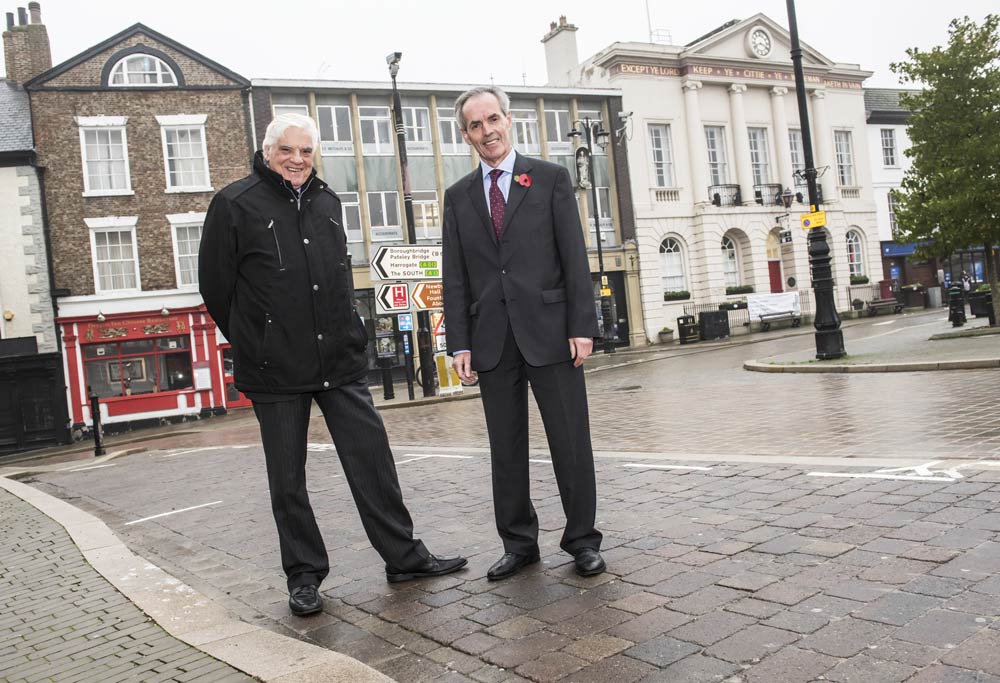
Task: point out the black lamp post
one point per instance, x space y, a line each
594 132
829 338
423 317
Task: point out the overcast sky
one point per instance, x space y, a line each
474 42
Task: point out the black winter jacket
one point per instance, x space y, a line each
273 273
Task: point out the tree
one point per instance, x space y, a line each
950 197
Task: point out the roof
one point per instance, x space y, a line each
717 29
883 106
15 118
132 30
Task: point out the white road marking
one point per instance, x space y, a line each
202 449
92 467
544 462
413 457
887 322
872 475
921 472
666 467
173 512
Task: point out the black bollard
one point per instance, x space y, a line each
95 416
387 390
956 305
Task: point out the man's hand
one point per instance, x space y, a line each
462 363
580 348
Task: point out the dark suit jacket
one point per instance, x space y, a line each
537 277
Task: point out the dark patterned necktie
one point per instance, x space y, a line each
497 204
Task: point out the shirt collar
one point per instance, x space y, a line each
507 165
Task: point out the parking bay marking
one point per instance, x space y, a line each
173 512
921 472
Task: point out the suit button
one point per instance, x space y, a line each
305 241
326 385
319 336
504 271
315 288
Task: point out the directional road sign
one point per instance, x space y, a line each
427 295
392 298
406 262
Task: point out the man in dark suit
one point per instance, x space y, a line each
273 273
519 307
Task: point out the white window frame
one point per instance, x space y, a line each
843 143
122 64
666 268
179 123
855 252
113 224
797 150
279 109
890 158
397 229
378 148
760 159
418 134
110 123
595 117
354 234
715 143
422 201
661 156
557 140
524 128
185 220
731 261
342 142
604 218
459 147
892 214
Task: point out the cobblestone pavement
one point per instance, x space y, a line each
62 621
751 533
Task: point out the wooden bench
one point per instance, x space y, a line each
767 318
876 305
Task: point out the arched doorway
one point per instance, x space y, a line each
774 262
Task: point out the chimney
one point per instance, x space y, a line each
26 46
561 59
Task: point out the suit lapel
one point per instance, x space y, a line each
522 165
478 199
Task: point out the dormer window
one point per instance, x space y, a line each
141 70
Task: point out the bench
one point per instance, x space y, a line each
767 318
875 305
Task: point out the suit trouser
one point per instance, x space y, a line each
561 395
363 448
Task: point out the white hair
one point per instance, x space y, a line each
281 123
475 92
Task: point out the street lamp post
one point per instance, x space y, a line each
829 338
594 132
423 317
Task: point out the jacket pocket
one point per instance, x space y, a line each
474 309
263 357
551 296
277 245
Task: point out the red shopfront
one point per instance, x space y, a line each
144 366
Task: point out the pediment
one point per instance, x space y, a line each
744 40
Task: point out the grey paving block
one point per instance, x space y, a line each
662 650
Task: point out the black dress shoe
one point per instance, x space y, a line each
303 600
589 562
432 566
509 564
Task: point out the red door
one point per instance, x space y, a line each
774 271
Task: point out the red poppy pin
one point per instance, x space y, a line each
524 180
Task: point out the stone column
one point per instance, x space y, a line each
822 139
697 154
741 143
781 147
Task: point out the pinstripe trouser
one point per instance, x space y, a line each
363 448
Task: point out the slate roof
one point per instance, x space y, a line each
15 118
882 105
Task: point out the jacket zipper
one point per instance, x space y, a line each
270 227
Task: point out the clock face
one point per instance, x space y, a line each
760 43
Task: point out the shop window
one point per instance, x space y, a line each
141 366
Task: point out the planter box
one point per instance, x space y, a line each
980 303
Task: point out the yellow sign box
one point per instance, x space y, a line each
816 219
605 291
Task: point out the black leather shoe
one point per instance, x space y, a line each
303 600
589 562
432 566
509 564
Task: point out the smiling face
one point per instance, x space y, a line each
292 156
487 128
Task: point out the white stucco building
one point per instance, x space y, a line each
714 139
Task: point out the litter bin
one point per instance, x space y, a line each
934 297
687 329
713 324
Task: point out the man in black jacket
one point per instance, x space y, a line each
273 273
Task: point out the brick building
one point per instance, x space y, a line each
134 135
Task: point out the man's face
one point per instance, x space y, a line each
487 128
292 156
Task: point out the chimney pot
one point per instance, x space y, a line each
35 10
562 19
10 21
22 16
552 24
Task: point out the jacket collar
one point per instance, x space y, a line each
522 165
